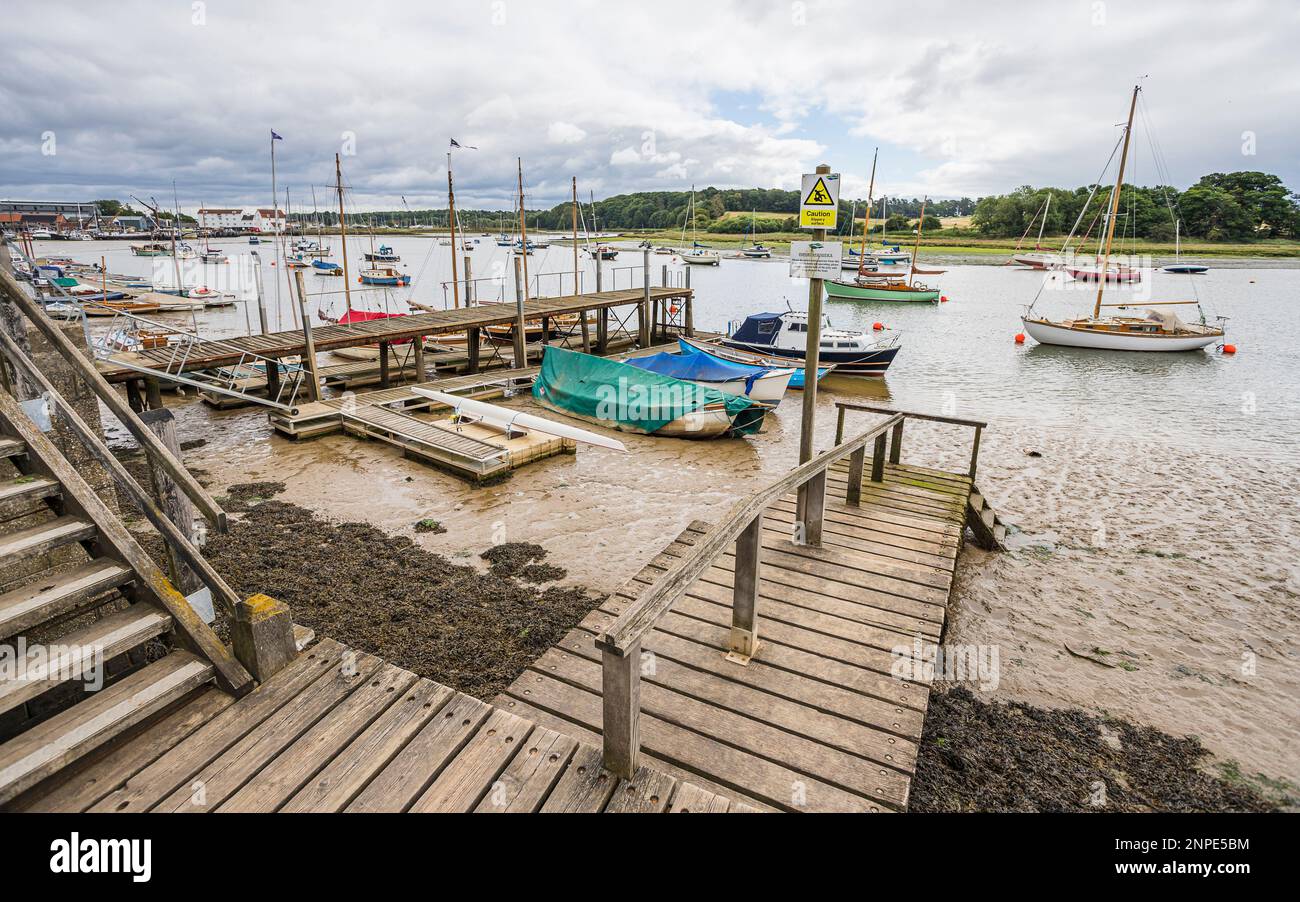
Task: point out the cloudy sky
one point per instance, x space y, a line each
108 99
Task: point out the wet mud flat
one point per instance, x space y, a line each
995 756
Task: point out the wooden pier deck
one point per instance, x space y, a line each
821 717
204 355
338 730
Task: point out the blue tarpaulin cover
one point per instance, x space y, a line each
697 367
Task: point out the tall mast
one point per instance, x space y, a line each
1047 205
871 189
343 235
576 289
176 226
920 226
451 222
523 227
1114 202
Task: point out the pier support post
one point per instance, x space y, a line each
620 678
133 398
975 451
520 332
418 350
645 317
602 332
878 460
272 379
472 343
690 315
896 443
857 463
384 380
744 597
469 281
153 393
309 340
174 503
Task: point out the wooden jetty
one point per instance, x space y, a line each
652 303
339 730
768 663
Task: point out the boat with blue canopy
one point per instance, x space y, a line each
731 355
785 336
764 384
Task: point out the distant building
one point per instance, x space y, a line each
235 219
128 223
57 216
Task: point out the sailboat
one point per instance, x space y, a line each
874 286
698 255
1037 259
1178 266
1156 330
754 250
600 251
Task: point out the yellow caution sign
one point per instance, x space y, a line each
819 203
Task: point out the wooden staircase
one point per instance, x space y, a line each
92 603
985 524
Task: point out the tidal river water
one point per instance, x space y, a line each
1155 498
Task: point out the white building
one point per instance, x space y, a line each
237 219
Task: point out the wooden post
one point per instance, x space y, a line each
520 332
878 460
272 379
647 330
153 393
472 337
896 443
384 381
133 398
815 493
812 350
262 636
744 596
418 349
309 340
975 451
620 678
839 427
469 282
690 314
173 502
857 463
602 332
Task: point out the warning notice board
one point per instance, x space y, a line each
819 201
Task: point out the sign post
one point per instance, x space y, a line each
819 204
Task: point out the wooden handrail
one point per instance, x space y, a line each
155 449
896 446
641 616
222 593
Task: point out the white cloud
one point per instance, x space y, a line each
565 133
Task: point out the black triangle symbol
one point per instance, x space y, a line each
819 196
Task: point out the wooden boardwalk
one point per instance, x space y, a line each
817 720
338 730
204 355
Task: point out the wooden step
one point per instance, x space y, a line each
11 447
53 744
21 493
57 593
76 656
39 539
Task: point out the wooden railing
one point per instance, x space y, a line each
620 644
896 443
154 449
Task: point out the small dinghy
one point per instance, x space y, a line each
619 396
731 355
516 421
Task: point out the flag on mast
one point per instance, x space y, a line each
455 143
275 137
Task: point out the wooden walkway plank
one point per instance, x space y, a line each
468 778
647 792
585 787
174 768
213 784
78 787
356 765
414 768
691 799
290 770
528 780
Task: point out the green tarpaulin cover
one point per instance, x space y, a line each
606 390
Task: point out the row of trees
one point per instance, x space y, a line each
1219 207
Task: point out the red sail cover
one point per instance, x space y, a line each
361 316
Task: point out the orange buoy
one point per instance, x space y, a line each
1229 349
943 299
877 326
672 309
1020 338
